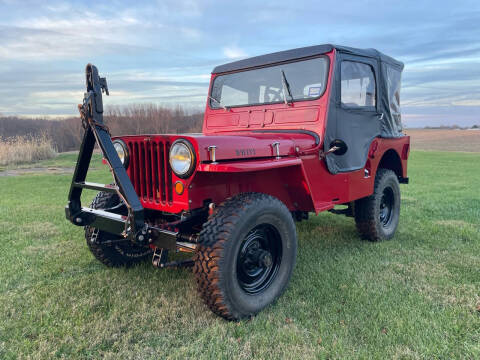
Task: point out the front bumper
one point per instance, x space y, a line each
119 225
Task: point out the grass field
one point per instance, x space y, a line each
417 296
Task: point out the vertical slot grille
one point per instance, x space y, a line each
150 171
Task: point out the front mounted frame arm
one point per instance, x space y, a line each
131 226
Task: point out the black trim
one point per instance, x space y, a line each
194 158
286 131
403 180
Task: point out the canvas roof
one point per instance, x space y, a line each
304 52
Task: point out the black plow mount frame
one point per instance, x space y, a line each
132 226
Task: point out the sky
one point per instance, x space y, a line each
164 51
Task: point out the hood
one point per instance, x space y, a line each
254 144
240 145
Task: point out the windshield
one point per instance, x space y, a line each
306 81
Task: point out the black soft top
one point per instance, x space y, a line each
303 52
356 128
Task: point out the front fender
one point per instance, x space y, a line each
283 179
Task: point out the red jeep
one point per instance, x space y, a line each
284 134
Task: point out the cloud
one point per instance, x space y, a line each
233 52
67 31
165 50
51 92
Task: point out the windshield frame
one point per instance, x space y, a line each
327 75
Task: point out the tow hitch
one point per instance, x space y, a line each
131 226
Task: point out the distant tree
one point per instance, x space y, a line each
67 134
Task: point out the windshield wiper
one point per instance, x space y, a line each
286 90
218 102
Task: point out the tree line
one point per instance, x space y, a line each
66 134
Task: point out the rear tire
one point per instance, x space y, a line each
377 215
246 255
112 255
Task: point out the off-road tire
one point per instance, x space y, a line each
219 248
368 210
113 255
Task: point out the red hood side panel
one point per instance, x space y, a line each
239 145
252 145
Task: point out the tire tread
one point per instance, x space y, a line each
107 254
213 238
365 217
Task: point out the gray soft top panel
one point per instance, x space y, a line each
303 52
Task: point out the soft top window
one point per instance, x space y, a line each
306 79
357 84
393 88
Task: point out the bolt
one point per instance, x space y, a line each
141 238
267 260
78 220
150 240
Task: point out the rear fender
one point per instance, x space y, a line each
383 153
390 154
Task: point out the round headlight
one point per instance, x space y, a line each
182 158
122 151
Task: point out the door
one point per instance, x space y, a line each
353 116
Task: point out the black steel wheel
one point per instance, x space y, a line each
386 206
108 248
259 258
377 215
246 255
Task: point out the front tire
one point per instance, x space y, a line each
377 215
112 255
246 254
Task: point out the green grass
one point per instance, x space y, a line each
415 296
